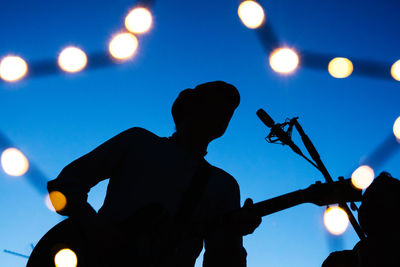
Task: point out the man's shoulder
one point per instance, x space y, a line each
138 132
224 190
134 137
225 179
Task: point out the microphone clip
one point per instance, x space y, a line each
287 127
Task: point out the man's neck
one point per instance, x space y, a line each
191 144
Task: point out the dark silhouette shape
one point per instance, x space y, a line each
144 224
163 199
379 217
344 258
15 253
149 176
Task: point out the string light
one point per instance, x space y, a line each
340 67
395 70
123 46
13 68
138 20
336 220
284 60
396 128
14 162
251 14
56 201
65 258
362 177
72 59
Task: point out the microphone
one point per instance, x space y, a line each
277 130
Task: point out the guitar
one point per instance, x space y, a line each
67 234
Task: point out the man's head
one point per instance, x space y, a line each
206 109
378 213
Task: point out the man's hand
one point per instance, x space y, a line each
246 220
251 219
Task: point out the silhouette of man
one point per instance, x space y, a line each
144 168
379 218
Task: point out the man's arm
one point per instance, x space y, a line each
224 247
76 179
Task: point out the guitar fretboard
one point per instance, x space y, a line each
279 203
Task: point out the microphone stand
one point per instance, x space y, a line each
321 167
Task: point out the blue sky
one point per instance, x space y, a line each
55 119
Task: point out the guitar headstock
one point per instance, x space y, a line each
322 194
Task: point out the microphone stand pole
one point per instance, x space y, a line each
316 157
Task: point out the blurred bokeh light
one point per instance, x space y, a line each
139 20
56 201
340 67
284 60
395 70
72 59
251 14
336 220
396 128
14 162
123 46
13 68
65 258
362 177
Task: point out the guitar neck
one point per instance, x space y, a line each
279 203
318 194
262 208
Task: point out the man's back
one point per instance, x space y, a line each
144 169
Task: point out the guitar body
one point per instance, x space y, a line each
65 234
147 224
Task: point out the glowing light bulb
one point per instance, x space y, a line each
396 129
362 177
336 220
138 20
14 162
284 60
395 70
65 258
13 68
123 46
340 67
56 201
251 14
72 59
